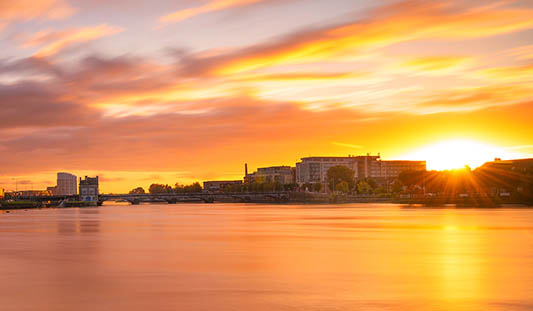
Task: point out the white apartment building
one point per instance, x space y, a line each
314 169
66 184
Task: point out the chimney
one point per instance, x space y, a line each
245 172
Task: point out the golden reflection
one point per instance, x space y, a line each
460 272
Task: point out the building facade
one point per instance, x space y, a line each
89 189
66 184
34 193
314 169
53 190
219 185
281 174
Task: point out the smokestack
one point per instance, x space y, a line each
245 172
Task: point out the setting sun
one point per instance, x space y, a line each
454 154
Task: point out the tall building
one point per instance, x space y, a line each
315 169
282 174
89 189
66 184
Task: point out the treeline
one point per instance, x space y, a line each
161 188
515 182
485 181
342 179
260 187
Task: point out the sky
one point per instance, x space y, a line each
142 92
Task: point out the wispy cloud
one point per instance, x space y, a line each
210 6
436 64
363 82
51 42
347 145
524 52
23 10
521 74
401 22
520 147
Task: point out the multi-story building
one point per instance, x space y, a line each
314 169
34 193
218 185
281 174
507 176
89 189
391 169
66 184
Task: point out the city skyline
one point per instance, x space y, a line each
388 170
190 90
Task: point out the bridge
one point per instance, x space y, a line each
171 198
206 197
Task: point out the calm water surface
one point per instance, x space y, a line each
266 257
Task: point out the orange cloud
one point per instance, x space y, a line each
51 42
300 76
521 74
522 52
33 9
471 99
436 63
409 20
211 6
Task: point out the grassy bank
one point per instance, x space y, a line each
19 204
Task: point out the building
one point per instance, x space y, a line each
219 185
281 174
89 189
53 190
391 169
34 193
2 193
66 184
507 176
314 169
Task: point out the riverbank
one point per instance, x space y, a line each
10 205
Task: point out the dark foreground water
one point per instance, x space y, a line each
266 257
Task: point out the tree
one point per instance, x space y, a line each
380 190
160 188
179 188
317 187
268 187
193 188
412 178
397 186
138 190
371 182
289 187
339 173
363 187
278 186
342 187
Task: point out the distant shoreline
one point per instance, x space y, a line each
410 204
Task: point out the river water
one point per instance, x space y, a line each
266 257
